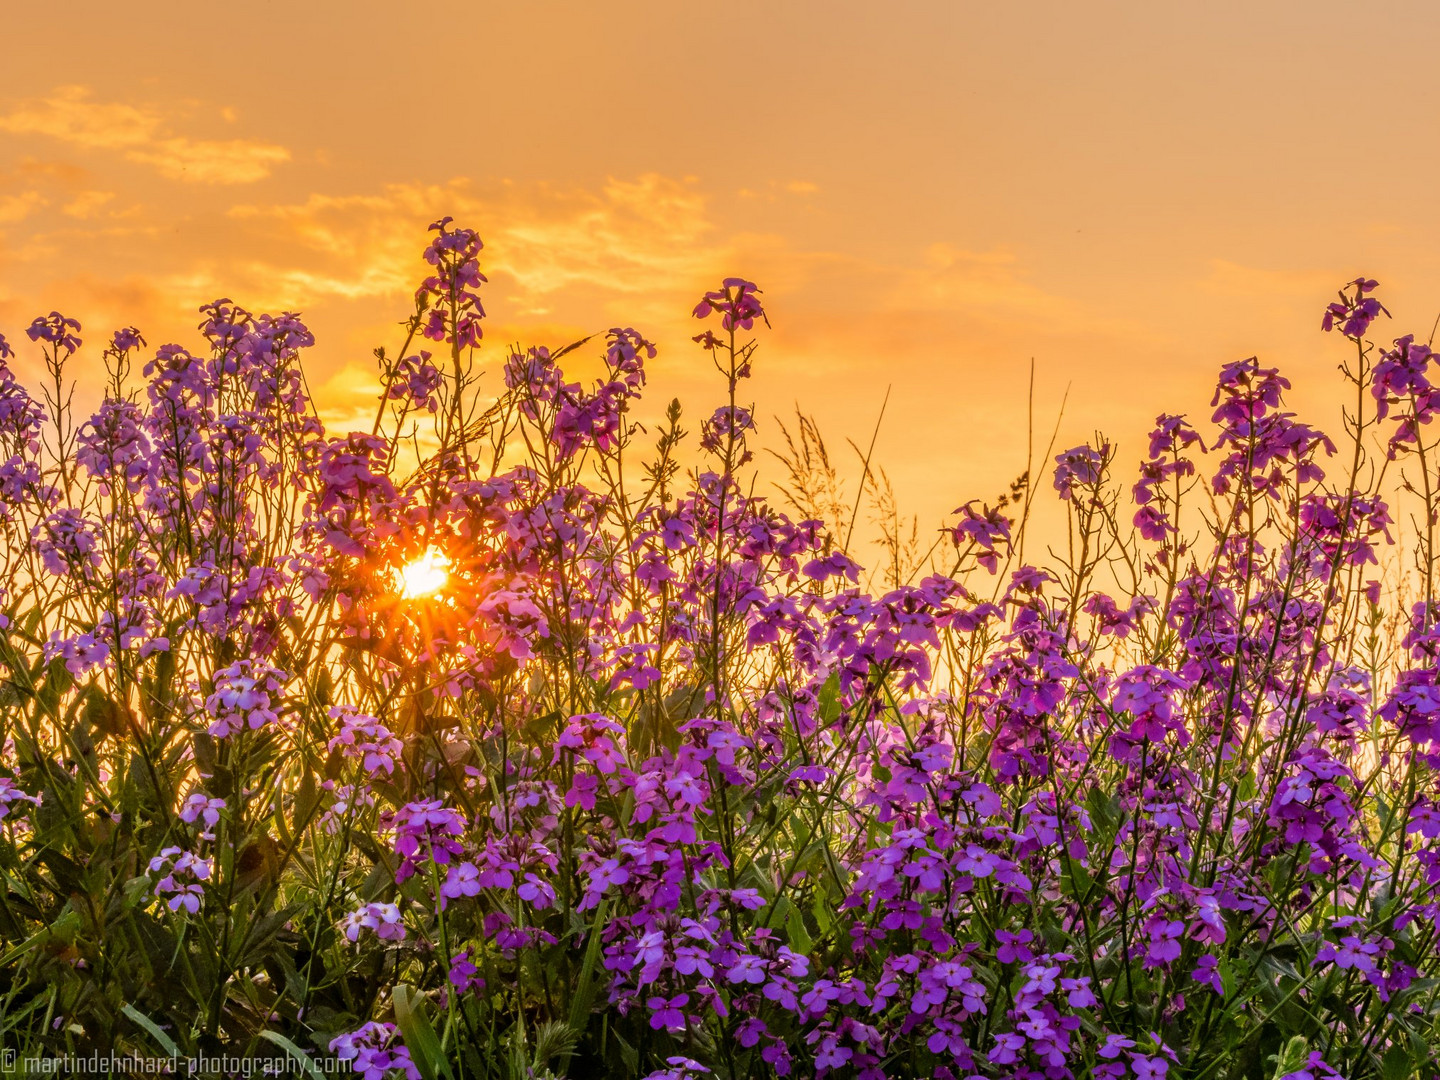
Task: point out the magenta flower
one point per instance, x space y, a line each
668 1013
373 1052
425 832
1081 467
365 739
1355 311
737 301
57 331
384 920
464 975
10 793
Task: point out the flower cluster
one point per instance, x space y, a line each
182 872
372 1052
456 308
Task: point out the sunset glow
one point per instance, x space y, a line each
426 575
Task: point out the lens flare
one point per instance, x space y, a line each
426 575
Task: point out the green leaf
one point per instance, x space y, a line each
1292 1058
261 934
820 910
307 799
1227 978
63 930
166 1043
420 1038
1104 809
1396 1063
297 1055
829 699
629 1055
102 713
1075 880
794 925
542 729
585 986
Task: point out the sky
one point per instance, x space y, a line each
931 195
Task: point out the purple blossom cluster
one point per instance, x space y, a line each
182 873
373 1052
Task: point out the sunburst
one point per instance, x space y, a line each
426 575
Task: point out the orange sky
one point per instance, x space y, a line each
929 193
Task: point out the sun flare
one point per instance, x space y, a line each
425 575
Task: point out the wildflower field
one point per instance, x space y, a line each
510 738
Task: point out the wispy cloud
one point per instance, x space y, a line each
15 208
88 203
1236 279
142 135
629 238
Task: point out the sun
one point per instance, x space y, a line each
425 575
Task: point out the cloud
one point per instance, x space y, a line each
633 237
15 208
630 238
1228 278
775 191
568 260
143 136
344 246
87 203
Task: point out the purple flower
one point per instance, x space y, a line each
10 792
464 975
244 697
455 309
747 969
373 1052
1164 940
679 1068
986 530
425 832
1007 1049
365 739
57 331
177 865
125 340
416 381
1081 467
1315 1068
1013 947
383 919
668 1013
200 807
1355 311
737 301
1207 971
1350 953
